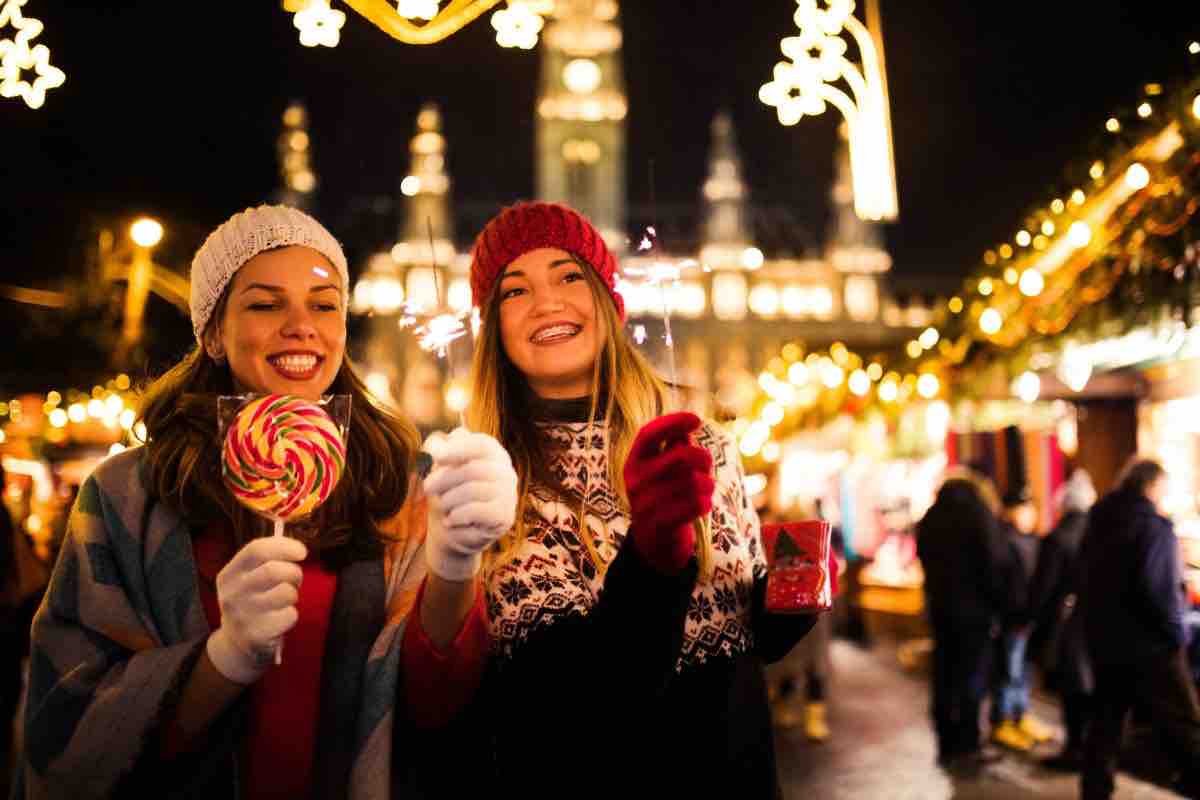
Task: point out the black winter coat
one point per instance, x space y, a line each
1131 590
1059 641
966 559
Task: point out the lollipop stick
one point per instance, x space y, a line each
279 647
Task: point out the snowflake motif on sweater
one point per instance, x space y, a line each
551 577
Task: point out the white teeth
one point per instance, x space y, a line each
297 364
555 331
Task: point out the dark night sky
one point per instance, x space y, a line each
175 112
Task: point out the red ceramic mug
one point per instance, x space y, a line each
798 579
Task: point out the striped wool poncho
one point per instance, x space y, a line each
122 625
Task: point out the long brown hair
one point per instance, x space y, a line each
183 459
622 381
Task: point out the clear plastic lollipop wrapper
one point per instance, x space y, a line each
281 455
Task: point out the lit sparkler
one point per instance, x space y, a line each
436 327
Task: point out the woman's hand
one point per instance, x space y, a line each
257 592
669 484
473 501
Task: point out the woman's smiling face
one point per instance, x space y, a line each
548 322
283 329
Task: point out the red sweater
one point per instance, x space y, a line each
285 701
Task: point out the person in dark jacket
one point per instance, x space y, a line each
966 562
1058 635
1013 726
1132 603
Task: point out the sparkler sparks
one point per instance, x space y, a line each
435 329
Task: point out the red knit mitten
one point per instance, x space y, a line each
669 484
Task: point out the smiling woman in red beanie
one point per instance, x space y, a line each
626 606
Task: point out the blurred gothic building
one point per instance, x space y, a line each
738 299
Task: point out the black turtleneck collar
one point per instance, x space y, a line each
574 409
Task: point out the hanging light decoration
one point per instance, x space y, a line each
519 24
319 25
435 20
16 57
417 9
804 85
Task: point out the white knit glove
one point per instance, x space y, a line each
472 491
257 592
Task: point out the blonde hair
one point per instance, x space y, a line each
622 379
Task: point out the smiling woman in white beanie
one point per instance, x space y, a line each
147 668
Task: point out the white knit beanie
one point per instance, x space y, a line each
242 237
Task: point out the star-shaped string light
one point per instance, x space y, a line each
319 24
16 56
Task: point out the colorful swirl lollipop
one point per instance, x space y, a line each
282 456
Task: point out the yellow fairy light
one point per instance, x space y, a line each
888 391
1058 206
990 321
122 381
989 257
928 338
1023 238
1079 234
1196 106
1137 176
53 398
1145 110
798 373
1011 275
1027 386
792 351
859 383
928 385
832 375
146 232
985 286
1113 125
1078 197
1096 170
1040 242
1048 228
914 349
76 412
1032 282
956 305
319 24
1194 49
874 371
1006 250
58 418
839 353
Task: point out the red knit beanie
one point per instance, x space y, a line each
528 226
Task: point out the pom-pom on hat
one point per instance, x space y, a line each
531 225
245 235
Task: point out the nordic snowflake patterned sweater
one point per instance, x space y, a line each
628 680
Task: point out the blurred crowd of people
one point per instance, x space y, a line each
1096 605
